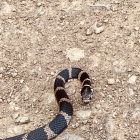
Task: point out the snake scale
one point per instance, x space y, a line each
61 121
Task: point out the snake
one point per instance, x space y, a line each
62 119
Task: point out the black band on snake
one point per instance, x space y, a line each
61 121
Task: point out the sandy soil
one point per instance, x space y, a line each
39 38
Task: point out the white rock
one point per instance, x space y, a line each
47 79
132 79
97 106
1 69
1 101
25 88
52 73
130 91
15 116
89 32
83 114
136 28
14 74
24 119
111 81
74 54
21 81
70 137
77 124
85 122
98 29
103 4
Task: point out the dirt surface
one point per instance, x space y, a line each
39 38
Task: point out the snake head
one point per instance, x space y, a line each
86 94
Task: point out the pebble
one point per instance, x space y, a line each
136 28
83 114
77 124
14 74
70 137
132 79
97 106
47 79
1 101
74 91
26 18
111 81
15 116
89 32
103 4
66 85
1 69
14 10
52 73
85 122
21 81
98 30
24 119
106 20
39 4
130 91
129 70
119 70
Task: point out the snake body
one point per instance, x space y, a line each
61 121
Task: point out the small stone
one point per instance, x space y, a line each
136 28
132 79
74 91
77 124
9 130
89 32
83 114
85 122
21 81
14 10
17 120
24 120
106 20
98 30
26 18
97 106
111 81
66 85
14 74
130 91
70 137
1 101
15 116
128 33
0 75
73 126
39 68
47 79
129 70
39 4
8 100
52 73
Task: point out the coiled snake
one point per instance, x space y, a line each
61 121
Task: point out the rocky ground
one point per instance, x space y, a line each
39 38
